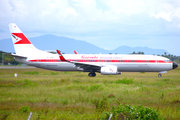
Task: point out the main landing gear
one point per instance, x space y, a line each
92 74
159 75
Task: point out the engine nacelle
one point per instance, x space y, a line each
112 70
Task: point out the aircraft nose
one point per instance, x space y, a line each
175 65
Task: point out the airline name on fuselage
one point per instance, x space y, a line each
89 57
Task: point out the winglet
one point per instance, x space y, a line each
61 56
75 52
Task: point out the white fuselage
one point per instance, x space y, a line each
124 63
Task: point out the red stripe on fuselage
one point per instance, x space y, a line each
116 61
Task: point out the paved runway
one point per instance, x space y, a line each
16 67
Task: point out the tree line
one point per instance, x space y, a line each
9 60
173 58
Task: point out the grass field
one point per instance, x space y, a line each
73 95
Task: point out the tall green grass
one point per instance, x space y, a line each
124 81
32 72
74 95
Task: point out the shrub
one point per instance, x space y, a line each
4 115
101 105
25 109
105 116
133 112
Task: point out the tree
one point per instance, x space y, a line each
173 58
134 52
138 52
165 53
7 59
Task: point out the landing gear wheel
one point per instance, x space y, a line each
159 75
92 74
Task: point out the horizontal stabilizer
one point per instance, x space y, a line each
17 56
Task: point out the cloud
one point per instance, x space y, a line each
93 20
43 15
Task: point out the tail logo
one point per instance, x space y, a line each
19 38
16 38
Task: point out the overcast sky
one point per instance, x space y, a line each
104 23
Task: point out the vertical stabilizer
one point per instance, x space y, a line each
21 44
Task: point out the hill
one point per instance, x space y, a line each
68 45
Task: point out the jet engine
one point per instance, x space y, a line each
111 70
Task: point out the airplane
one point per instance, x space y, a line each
106 64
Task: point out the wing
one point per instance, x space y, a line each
86 67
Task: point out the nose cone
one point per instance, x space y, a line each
175 65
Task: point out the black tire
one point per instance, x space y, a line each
92 74
159 75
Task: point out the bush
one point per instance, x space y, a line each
133 112
25 109
101 105
4 115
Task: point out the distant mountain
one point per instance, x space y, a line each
68 45
64 44
146 50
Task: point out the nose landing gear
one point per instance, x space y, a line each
159 75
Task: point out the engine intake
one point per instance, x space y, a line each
109 70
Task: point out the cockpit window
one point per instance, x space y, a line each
166 60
